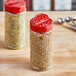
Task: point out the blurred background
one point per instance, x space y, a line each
47 5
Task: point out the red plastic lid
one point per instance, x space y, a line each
15 6
41 23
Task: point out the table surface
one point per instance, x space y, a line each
17 62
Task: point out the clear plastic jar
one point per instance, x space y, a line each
15 24
41 44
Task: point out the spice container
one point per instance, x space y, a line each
15 11
41 41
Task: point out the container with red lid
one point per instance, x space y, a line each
41 42
15 19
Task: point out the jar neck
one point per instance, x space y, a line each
42 33
14 13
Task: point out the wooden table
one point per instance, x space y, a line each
17 62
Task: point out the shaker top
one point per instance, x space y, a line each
41 23
15 6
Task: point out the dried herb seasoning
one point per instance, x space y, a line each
41 42
15 24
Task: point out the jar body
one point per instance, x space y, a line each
41 49
15 30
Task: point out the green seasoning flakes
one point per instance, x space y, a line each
15 30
